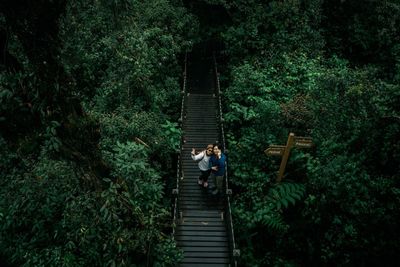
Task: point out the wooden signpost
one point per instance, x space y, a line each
284 151
274 150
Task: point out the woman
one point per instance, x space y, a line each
217 165
203 159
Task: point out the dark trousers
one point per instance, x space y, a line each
204 175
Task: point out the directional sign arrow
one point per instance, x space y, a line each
275 150
303 142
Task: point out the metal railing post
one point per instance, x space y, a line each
179 173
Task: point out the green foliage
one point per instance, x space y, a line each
286 193
81 84
126 124
76 190
167 249
172 134
337 109
52 143
266 29
281 77
130 163
364 35
130 62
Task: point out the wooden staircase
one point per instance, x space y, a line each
201 230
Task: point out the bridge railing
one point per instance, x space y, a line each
234 251
179 171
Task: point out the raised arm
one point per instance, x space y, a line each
198 156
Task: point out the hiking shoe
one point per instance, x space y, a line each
205 184
200 182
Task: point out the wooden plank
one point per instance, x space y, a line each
196 207
202 228
194 191
206 130
199 127
201 206
184 206
202 222
190 181
200 101
184 197
191 243
203 254
191 170
190 201
192 187
205 260
205 197
202 202
211 123
203 265
207 200
197 197
193 106
198 191
201 119
205 249
189 162
200 219
192 176
207 133
191 144
203 138
205 214
201 116
201 238
201 234
206 113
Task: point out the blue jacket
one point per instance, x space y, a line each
220 163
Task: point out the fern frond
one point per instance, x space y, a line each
275 222
285 194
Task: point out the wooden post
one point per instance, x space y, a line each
285 156
284 151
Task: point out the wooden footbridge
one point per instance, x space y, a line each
203 225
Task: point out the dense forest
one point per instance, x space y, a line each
89 108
